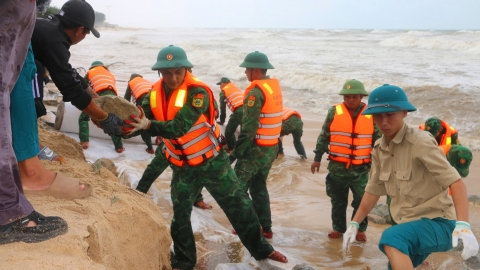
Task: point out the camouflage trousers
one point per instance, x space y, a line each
156 167
252 172
220 180
294 126
84 131
338 187
234 121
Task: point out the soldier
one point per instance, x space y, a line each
103 84
184 115
137 89
351 137
232 97
257 144
156 167
408 166
292 124
444 133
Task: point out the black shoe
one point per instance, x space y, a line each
47 228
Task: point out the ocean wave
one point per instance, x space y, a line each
433 43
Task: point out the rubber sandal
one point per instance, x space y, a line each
46 154
150 151
277 256
46 228
85 145
62 187
334 234
120 150
202 205
361 237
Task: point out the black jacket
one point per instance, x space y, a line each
51 46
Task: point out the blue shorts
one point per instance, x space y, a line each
419 238
23 113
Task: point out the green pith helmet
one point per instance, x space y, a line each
388 98
460 158
135 75
97 63
256 59
172 57
353 87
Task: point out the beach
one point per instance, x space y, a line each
438 70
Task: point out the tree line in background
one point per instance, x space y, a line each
99 17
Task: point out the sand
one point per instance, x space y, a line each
115 228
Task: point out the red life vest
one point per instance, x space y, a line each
233 96
289 112
139 86
351 142
200 143
271 113
446 138
101 79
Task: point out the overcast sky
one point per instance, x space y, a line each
327 14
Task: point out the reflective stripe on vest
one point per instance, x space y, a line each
446 138
350 142
287 112
139 86
271 112
101 79
200 143
233 96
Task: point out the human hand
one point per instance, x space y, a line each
315 166
111 125
470 244
139 123
349 236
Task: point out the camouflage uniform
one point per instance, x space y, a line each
217 176
145 136
234 121
83 132
340 179
293 125
253 161
156 167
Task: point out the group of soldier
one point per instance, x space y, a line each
372 152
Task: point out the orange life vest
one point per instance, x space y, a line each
350 142
233 96
139 86
200 143
289 112
101 79
271 113
447 136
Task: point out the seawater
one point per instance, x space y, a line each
439 70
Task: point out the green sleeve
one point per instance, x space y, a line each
128 94
185 118
324 138
223 107
250 122
455 139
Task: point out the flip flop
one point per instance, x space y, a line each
46 228
334 234
277 256
62 187
361 237
46 154
203 205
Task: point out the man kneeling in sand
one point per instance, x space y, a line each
408 166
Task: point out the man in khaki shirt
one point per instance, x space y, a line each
408 166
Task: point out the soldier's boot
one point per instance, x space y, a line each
334 234
202 205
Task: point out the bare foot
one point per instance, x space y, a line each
150 151
203 205
85 145
34 176
120 150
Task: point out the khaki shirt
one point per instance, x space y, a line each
414 171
